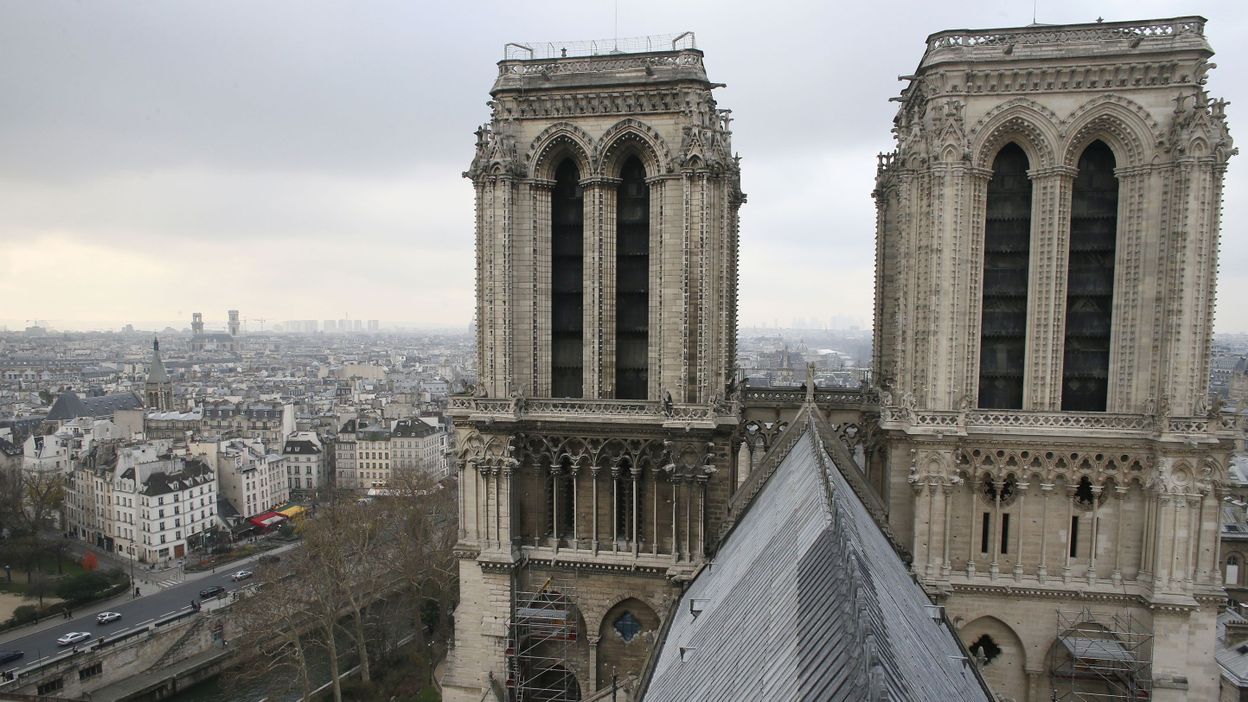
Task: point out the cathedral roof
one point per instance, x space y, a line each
807 598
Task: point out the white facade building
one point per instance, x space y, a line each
141 501
251 479
305 460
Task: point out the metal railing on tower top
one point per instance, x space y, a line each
516 51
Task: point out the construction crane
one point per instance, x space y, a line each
261 320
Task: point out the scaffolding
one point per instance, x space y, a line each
1100 658
542 627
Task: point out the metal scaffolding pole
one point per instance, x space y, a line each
542 627
1100 657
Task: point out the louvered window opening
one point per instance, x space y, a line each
1007 245
1090 282
567 301
632 309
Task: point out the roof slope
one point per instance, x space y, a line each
808 600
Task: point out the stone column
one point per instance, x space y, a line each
1120 494
555 472
593 472
598 276
1046 297
920 549
1070 514
1022 519
593 639
946 490
540 196
576 512
970 551
673 481
1042 571
1096 512
995 545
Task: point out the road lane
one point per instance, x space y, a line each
134 613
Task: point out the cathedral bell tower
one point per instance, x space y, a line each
594 463
1046 264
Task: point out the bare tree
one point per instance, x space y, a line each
274 630
43 495
11 516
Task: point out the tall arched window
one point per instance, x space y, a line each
1090 281
632 271
567 283
1007 244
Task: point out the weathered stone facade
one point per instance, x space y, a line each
567 491
1018 509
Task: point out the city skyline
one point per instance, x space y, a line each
310 158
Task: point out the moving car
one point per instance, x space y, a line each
241 575
72 638
107 617
214 591
10 656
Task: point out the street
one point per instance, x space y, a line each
39 640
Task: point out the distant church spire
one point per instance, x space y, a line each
158 391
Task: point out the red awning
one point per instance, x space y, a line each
267 519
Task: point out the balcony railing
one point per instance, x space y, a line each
597 409
1062 34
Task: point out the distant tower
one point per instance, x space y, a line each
233 322
596 466
158 391
197 323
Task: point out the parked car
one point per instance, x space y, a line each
269 558
72 638
107 617
241 575
213 591
10 656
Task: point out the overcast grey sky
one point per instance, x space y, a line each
301 160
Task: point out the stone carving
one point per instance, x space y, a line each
495 154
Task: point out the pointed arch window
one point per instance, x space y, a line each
1007 247
567 286
632 306
1090 281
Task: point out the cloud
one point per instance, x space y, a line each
302 159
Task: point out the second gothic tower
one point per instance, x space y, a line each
606 232
595 453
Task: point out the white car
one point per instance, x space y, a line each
72 638
107 617
241 575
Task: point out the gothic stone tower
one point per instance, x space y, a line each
158 390
1046 260
595 462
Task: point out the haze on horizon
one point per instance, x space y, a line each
302 160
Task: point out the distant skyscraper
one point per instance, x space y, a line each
330 325
372 325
